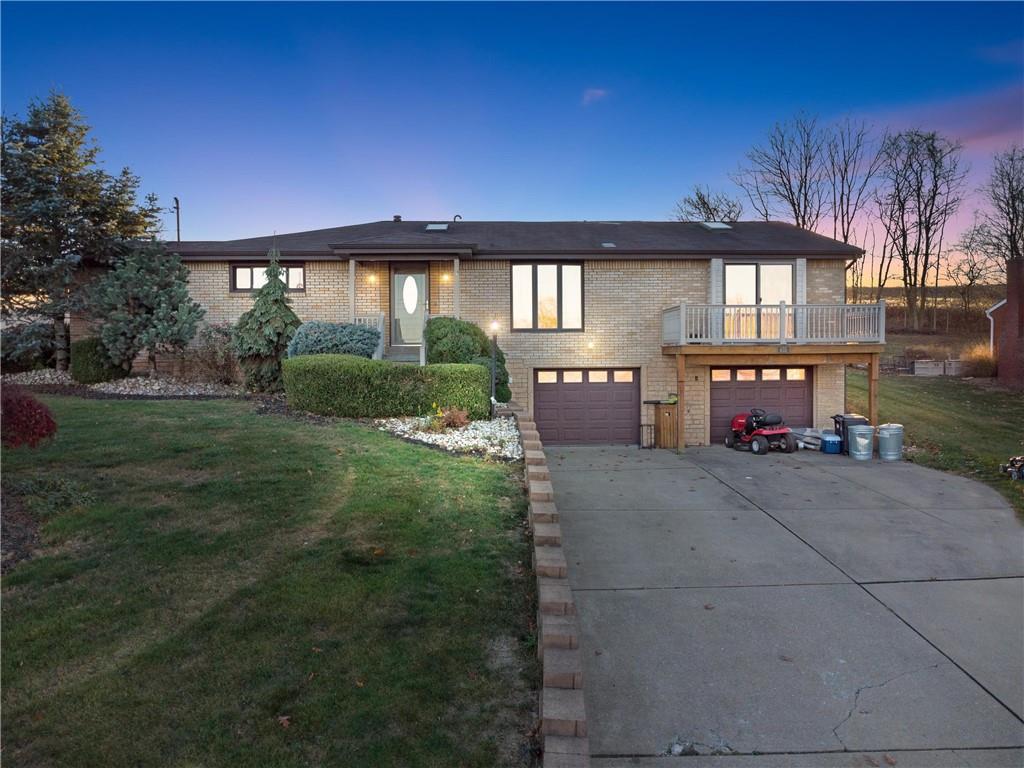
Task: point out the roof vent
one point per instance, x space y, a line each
437 227
715 226
397 217
608 245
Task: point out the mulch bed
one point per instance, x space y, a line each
80 390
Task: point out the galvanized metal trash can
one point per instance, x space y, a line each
862 440
890 442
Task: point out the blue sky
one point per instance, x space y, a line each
267 116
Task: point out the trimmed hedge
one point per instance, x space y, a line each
459 341
346 385
90 363
319 338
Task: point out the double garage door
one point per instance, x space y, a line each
785 390
574 406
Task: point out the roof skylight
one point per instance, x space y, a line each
608 245
437 227
715 225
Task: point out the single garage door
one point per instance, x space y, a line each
785 390
597 405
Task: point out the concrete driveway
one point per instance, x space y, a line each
792 610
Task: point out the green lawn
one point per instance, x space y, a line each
951 424
217 587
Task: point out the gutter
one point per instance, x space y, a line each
992 325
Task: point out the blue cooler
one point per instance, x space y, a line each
831 443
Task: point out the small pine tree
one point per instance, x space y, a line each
144 304
260 339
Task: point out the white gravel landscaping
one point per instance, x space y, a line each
38 378
164 386
498 438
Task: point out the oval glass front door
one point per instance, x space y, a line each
410 294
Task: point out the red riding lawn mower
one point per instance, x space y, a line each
760 432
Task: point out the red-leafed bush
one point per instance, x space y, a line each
26 421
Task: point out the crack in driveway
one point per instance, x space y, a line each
857 693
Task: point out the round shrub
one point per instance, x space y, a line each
978 361
26 346
26 421
346 385
459 341
318 338
90 363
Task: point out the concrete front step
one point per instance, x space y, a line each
557 632
541 490
549 562
547 535
563 668
562 712
554 596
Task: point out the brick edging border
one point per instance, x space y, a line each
563 718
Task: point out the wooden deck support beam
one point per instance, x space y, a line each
873 366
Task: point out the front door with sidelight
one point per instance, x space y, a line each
408 305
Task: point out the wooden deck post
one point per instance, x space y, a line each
681 407
873 389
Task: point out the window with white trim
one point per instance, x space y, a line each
252 277
547 297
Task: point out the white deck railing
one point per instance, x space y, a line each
773 323
374 321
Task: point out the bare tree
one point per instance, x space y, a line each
704 205
1002 227
978 265
853 160
787 175
923 178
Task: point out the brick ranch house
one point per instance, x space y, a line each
594 317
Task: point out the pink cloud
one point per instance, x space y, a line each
594 95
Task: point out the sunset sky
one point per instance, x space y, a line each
283 117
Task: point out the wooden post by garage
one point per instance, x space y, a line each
873 389
681 408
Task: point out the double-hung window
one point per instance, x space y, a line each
252 277
547 297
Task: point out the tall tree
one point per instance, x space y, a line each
260 338
978 265
702 204
143 303
1002 226
922 177
787 175
852 163
60 210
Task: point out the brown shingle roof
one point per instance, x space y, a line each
631 239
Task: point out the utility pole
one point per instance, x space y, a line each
177 217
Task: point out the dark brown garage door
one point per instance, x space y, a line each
784 390
597 405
